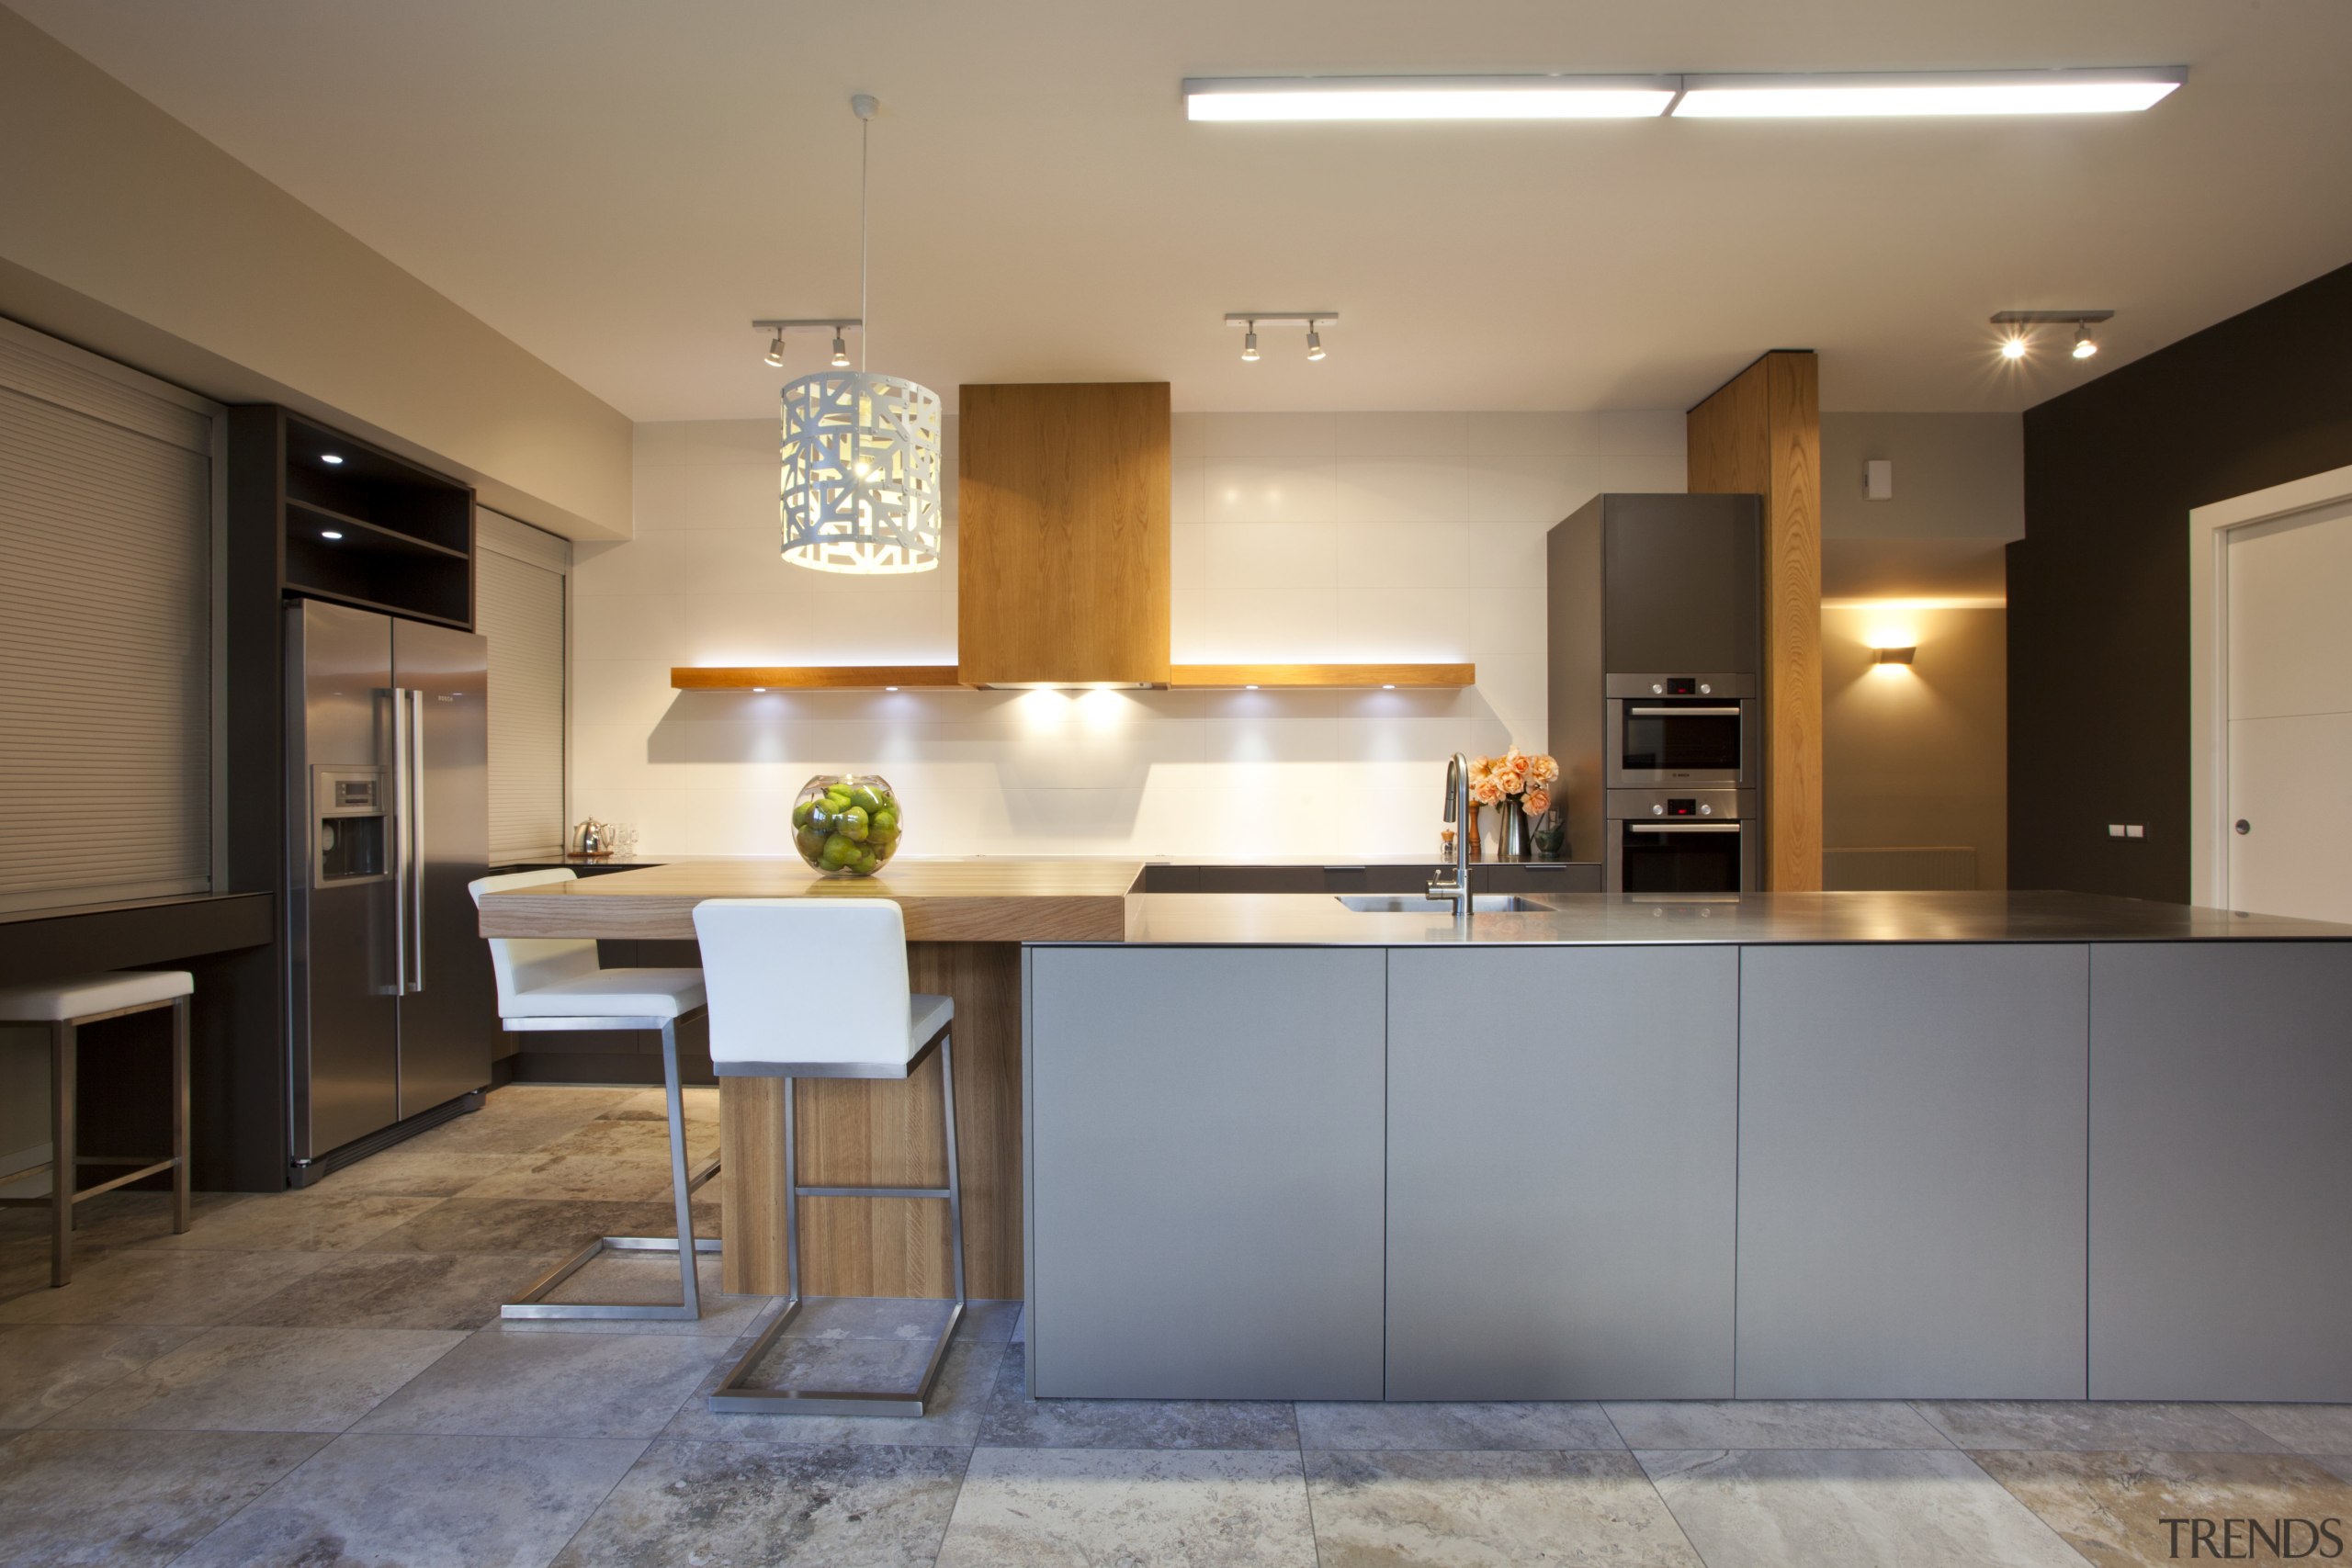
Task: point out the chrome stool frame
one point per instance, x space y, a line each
64 1163
533 1304
735 1394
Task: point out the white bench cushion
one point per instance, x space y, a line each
613 993
81 996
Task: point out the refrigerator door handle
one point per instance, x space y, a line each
401 837
412 847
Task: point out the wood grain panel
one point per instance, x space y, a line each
1063 533
1760 433
860 1133
1191 677
808 677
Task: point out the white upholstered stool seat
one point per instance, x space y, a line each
816 988
557 985
65 1005
84 996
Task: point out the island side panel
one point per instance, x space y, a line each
1561 1209
886 1132
1206 1154
2221 1203
1913 1156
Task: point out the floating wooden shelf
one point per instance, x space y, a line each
1329 677
1181 677
810 677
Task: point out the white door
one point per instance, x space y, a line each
2289 837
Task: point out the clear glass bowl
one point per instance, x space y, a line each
846 824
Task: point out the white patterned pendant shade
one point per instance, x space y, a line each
861 473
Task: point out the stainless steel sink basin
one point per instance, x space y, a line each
1406 904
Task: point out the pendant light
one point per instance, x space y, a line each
860 451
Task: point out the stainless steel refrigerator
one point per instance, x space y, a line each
391 1012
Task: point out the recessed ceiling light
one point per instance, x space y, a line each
330 534
329 457
1427 98
1838 95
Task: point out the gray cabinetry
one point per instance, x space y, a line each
2221 1171
1562 1159
1911 1158
1205 1171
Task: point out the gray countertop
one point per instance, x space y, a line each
1277 919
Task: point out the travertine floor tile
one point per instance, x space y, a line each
1849 1508
263 1380
1489 1510
893 1317
966 1380
633 1139
693 1503
1775 1424
2063 1424
513 1225
401 1290
571 1385
131 1499
406 1172
46 1368
295 1222
576 1177
1086 1507
648 1277
1015 1420
2111 1507
439 1502
652 1105
140 1285
2305 1428
1456 1428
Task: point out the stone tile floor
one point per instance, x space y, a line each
321 1377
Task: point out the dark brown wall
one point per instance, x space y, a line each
2098 587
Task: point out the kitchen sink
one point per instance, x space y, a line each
1406 904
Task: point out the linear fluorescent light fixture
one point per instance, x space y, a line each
1427 98
1901 93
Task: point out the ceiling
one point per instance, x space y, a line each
621 185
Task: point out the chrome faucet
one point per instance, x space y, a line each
1457 811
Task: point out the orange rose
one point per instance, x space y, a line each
1538 802
1487 792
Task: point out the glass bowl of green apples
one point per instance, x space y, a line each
846 824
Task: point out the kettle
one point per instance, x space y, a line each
592 840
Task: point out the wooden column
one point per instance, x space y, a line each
886 1133
1760 433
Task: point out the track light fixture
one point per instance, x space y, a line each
1250 320
2018 336
837 325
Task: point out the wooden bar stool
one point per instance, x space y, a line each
65 1006
816 988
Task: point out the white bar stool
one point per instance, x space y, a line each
816 988
556 983
65 1006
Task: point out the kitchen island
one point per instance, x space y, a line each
1796 1146
1273 1146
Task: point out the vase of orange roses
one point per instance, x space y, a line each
1517 788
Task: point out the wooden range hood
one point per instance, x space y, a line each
1064 567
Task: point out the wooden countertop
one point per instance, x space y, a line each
985 899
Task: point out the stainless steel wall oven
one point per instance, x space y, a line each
1682 729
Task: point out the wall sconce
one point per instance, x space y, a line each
1893 655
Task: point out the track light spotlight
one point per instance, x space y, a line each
840 351
775 350
1249 345
2013 347
2084 345
1313 342
2021 322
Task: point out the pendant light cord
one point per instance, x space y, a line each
865 333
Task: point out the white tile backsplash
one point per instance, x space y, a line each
1308 539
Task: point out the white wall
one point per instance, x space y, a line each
1297 538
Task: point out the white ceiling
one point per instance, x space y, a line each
619 186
